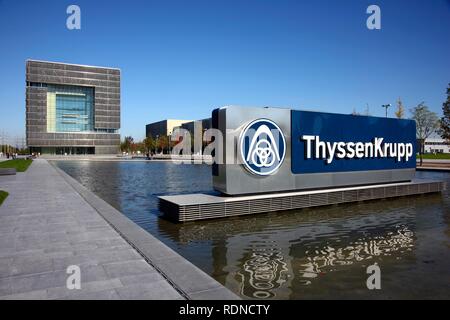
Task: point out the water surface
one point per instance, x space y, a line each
311 253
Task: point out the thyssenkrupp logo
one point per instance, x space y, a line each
262 147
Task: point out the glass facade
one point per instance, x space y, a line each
70 108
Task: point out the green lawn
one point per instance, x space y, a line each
437 156
21 165
3 195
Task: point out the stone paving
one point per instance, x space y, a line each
46 226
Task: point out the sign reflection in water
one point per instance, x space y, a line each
268 272
263 273
325 258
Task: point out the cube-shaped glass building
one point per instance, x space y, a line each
72 109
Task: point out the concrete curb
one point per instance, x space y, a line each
7 171
186 278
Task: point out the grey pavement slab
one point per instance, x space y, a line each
46 226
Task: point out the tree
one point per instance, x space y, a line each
427 122
163 143
140 147
445 120
126 144
400 113
149 144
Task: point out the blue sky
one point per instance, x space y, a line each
181 59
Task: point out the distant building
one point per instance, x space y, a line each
436 145
196 129
203 125
163 128
72 109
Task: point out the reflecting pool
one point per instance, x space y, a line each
311 253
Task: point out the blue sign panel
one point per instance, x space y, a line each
326 142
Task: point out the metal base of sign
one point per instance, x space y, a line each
191 207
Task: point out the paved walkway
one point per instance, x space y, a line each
46 226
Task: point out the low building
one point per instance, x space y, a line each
72 109
436 145
163 127
196 129
202 125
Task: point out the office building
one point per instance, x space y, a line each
72 109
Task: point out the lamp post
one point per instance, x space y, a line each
386 106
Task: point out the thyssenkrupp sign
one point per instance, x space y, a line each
272 150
